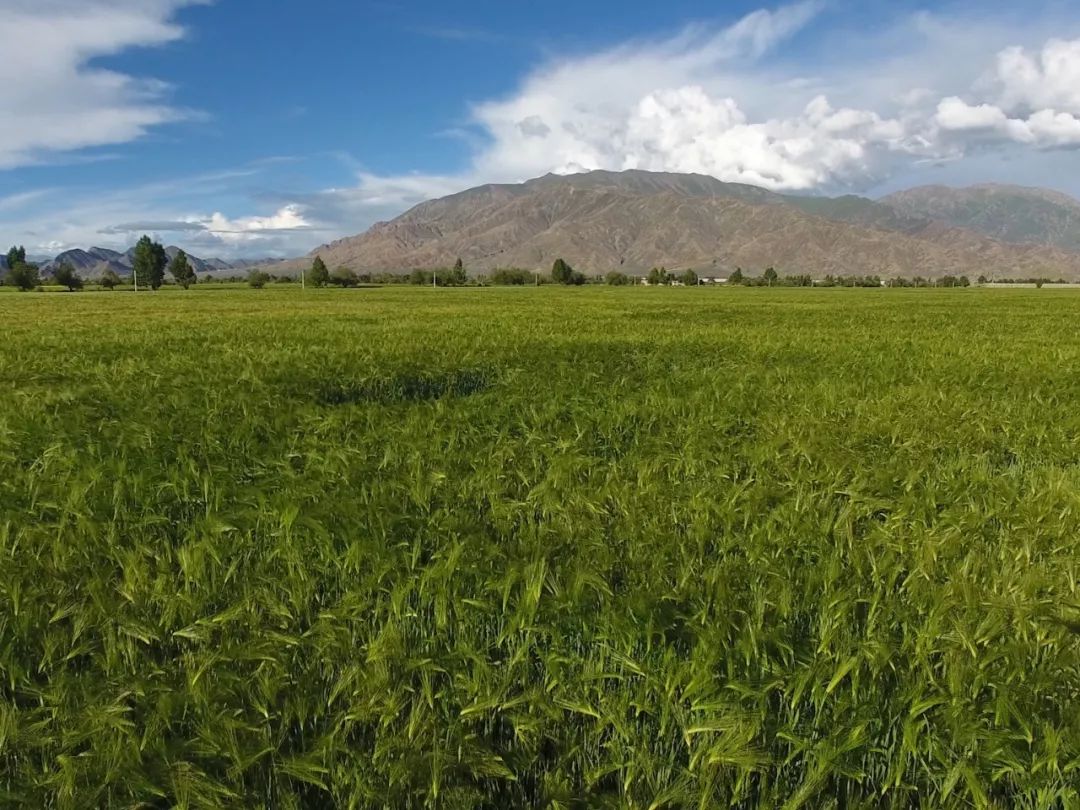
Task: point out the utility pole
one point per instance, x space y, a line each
434 278
135 274
303 282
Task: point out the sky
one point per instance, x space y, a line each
247 128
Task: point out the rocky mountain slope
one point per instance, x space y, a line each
1007 213
635 220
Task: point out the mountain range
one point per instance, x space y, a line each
635 220
92 263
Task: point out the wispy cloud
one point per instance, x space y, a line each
457 34
921 89
50 86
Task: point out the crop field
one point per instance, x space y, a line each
489 548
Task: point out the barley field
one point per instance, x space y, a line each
489 548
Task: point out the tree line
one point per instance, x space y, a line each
150 263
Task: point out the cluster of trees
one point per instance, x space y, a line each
513 277
770 278
563 273
455 276
21 273
659 277
919 281
847 281
1038 282
150 261
149 264
320 276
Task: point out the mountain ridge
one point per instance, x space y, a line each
91 263
634 220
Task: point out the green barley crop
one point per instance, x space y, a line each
540 548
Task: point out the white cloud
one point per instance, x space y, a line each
50 221
289 218
48 86
924 89
1046 129
1025 99
1050 80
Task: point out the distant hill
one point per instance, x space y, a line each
92 263
635 220
1007 213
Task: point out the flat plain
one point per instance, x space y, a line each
540 548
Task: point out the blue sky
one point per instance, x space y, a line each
251 128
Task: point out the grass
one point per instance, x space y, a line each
542 548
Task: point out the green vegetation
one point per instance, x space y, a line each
658 276
512 277
563 273
258 279
344 277
149 263
23 276
182 271
66 276
15 256
320 275
540 548
441 277
109 280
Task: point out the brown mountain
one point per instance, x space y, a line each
1008 213
635 220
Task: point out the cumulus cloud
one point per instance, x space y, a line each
725 102
1029 99
48 85
1048 80
1044 128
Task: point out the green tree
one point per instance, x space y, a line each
24 276
455 277
561 272
770 276
109 279
511 277
149 263
258 279
617 279
320 276
17 255
658 276
344 277
689 278
736 277
66 276
182 270
982 280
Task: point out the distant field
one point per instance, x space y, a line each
540 548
